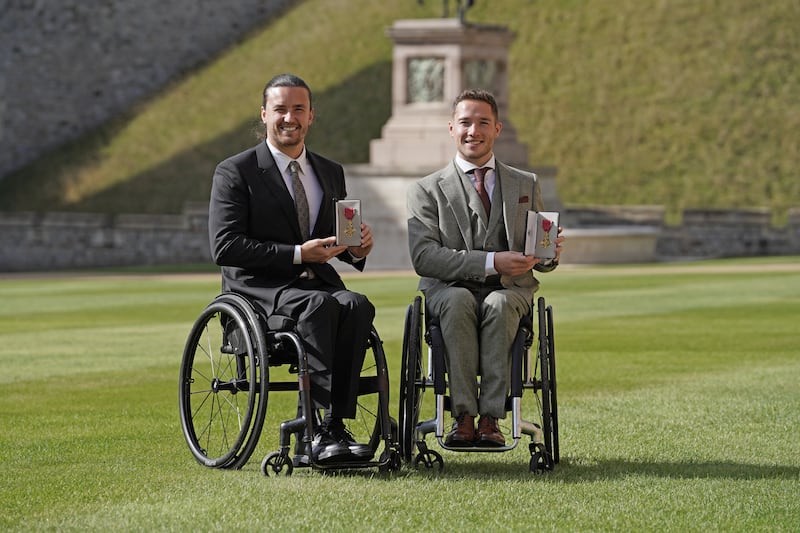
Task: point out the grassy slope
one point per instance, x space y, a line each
682 103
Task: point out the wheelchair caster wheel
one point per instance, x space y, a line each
430 459
277 463
539 463
390 461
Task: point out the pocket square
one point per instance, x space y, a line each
523 199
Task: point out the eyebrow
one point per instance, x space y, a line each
293 106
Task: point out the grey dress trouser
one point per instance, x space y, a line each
478 327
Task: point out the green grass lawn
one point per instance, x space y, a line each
678 400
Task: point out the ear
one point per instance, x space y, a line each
263 115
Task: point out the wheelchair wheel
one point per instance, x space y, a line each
410 378
553 396
373 424
547 389
223 384
389 461
277 463
429 459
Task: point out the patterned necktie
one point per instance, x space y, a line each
300 199
479 174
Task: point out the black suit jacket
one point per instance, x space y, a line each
253 226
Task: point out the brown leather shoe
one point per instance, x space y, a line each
488 432
463 433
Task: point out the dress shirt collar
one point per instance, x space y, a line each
468 167
283 160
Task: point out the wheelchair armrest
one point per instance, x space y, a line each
280 323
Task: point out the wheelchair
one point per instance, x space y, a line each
527 373
225 384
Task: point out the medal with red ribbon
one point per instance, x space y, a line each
546 225
349 213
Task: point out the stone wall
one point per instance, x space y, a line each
58 241
69 65
703 233
729 233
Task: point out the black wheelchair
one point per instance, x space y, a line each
225 384
527 373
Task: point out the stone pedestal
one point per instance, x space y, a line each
434 60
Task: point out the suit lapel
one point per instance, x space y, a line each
326 207
452 188
272 174
510 190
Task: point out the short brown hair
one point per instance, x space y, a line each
477 94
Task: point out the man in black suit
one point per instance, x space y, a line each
271 228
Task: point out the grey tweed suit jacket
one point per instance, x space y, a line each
440 233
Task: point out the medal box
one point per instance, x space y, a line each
348 222
541 233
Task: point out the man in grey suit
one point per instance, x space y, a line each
466 230
271 228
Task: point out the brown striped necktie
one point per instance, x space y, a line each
300 200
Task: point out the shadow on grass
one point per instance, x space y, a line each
615 468
581 470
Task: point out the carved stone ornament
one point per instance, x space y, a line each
480 74
425 79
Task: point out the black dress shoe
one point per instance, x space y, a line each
360 452
326 448
300 461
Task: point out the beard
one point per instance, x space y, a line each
285 141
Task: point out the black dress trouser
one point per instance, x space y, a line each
334 324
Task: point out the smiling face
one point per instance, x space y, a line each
287 114
474 128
